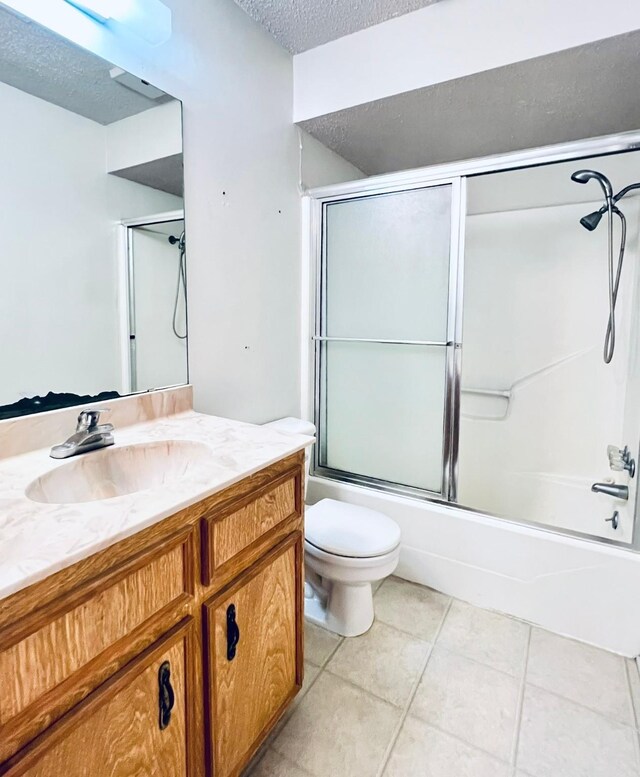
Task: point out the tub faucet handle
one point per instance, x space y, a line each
620 459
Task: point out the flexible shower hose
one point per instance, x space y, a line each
182 281
614 282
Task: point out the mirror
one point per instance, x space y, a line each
93 291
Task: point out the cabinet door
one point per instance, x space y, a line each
135 725
254 654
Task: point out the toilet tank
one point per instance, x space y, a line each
292 425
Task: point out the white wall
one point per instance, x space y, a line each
242 204
444 41
58 259
152 134
321 166
56 262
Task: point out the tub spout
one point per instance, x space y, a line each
611 489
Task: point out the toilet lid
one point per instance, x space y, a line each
349 530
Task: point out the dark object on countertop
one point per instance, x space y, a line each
52 401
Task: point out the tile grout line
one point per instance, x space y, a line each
628 671
429 724
365 691
476 661
288 714
518 721
634 711
585 707
412 694
323 665
465 742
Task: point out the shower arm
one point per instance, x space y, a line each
622 193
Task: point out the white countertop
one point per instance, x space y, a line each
38 539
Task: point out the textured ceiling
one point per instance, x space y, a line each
578 93
165 174
41 63
299 25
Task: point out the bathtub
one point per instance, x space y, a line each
579 588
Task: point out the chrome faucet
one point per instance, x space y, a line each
611 489
88 436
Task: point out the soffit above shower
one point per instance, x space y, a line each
582 92
299 25
164 174
45 65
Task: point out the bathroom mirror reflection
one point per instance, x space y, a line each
94 253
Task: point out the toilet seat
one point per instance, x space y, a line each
350 531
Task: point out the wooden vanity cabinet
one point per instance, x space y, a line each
188 614
253 638
137 723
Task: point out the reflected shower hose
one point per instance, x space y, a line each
182 282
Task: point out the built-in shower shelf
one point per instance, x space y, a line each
488 392
485 404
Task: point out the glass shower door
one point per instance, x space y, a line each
157 305
385 339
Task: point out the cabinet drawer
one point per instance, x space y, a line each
137 723
49 661
253 637
246 521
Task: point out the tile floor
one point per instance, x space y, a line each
438 688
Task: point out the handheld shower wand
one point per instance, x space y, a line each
584 176
590 222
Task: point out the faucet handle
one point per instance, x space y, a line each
89 419
620 459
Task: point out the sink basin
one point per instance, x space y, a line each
112 472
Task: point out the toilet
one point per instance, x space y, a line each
346 549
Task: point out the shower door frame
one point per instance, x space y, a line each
453 342
314 202
127 295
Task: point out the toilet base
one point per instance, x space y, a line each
338 594
344 609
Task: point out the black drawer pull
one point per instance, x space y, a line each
166 696
233 632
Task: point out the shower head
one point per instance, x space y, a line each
591 220
583 176
179 241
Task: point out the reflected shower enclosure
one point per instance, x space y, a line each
156 293
458 340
